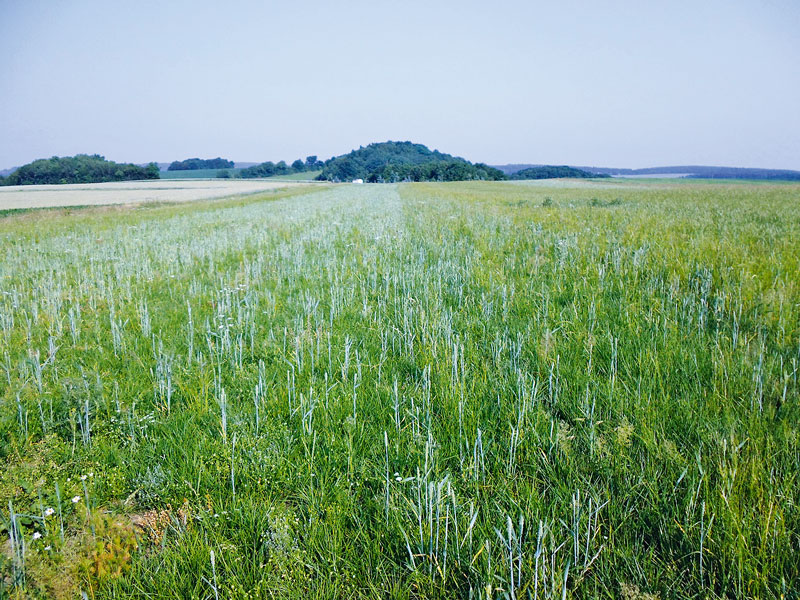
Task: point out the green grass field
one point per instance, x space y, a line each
305 176
472 390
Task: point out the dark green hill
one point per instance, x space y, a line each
552 172
192 164
82 168
403 161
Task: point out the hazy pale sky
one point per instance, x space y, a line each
616 83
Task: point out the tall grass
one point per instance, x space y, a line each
416 391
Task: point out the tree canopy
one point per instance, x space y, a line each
403 161
193 164
454 170
553 172
82 168
269 168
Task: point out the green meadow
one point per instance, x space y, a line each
467 390
302 176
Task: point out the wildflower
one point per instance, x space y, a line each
49 512
76 499
91 473
36 535
48 547
83 477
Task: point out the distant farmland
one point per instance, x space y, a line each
130 192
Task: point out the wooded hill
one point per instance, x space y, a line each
82 168
403 161
550 172
193 164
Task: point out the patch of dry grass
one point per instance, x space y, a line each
136 192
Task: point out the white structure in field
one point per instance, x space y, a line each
358 181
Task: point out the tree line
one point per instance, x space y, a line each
193 164
553 172
383 162
82 168
270 169
434 171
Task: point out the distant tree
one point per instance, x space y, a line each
153 172
298 166
265 169
311 162
193 164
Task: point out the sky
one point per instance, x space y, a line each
594 83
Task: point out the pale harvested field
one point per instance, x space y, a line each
130 192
